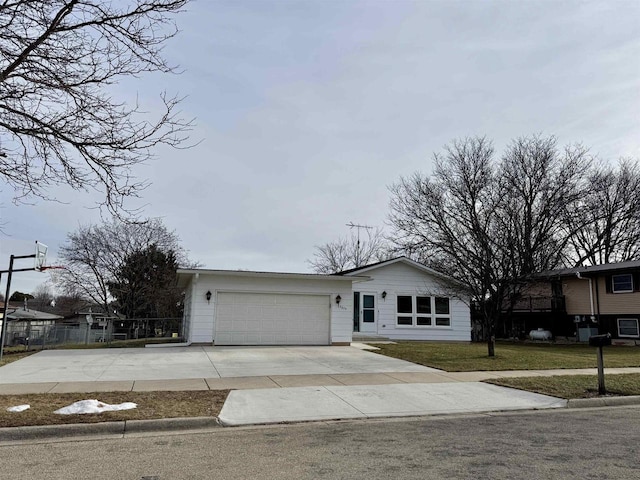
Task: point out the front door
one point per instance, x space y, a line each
368 322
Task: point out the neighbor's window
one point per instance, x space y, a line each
622 283
423 311
628 327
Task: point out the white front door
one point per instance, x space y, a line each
368 320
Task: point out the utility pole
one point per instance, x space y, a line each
352 225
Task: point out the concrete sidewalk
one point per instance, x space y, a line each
294 398
289 381
299 404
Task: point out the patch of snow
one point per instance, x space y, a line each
18 408
93 406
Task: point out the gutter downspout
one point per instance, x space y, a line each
590 291
194 284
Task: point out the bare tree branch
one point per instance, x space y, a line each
59 124
608 216
95 255
350 252
490 224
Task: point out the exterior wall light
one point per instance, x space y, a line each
338 298
208 295
384 294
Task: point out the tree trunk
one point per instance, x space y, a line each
491 345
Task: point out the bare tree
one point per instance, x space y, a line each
489 224
94 256
59 121
539 188
609 217
42 296
452 218
350 252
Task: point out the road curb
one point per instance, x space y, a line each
164 424
603 402
121 428
102 429
35 432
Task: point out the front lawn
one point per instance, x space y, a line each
466 357
574 386
151 405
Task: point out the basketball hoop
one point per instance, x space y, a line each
51 267
40 257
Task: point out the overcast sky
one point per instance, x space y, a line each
308 110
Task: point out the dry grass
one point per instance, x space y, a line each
574 386
151 405
465 357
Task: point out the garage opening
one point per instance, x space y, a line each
272 319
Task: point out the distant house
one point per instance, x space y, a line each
405 300
583 301
24 323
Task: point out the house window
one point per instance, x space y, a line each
405 310
622 283
423 311
628 327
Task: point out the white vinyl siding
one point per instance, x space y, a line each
405 280
202 314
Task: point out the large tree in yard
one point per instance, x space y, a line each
490 223
608 216
146 285
95 256
60 122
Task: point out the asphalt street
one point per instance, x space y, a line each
553 444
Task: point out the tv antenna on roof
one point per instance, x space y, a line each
355 225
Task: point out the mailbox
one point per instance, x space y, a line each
600 340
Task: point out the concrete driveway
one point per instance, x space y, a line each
313 383
174 363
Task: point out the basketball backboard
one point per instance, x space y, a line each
41 256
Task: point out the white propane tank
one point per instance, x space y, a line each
540 334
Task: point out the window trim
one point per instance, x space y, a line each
637 335
414 313
613 283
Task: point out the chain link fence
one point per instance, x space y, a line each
48 334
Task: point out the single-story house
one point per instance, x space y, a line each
398 298
405 300
235 307
584 301
24 323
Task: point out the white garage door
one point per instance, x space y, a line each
272 319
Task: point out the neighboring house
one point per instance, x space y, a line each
586 300
231 307
405 300
24 323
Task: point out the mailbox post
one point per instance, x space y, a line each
600 341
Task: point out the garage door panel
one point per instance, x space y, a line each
272 319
